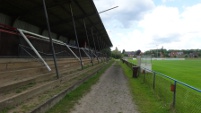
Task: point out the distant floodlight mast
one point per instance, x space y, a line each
108 9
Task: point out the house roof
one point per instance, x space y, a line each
32 11
130 52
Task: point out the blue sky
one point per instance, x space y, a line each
176 3
151 24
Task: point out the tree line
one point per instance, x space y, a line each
157 53
184 53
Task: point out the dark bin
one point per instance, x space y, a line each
135 71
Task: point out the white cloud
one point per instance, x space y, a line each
127 11
150 25
191 19
167 1
161 21
166 26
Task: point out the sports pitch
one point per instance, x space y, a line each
187 71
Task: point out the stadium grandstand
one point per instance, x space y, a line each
41 42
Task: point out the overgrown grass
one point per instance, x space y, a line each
187 99
67 103
23 88
143 96
188 71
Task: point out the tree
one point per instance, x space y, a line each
138 52
116 54
173 52
107 51
123 52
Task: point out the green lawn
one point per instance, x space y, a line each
187 71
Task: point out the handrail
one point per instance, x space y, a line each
72 51
27 51
30 44
94 54
55 41
85 52
40 51
75 47
196 89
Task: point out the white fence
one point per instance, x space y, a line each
168 58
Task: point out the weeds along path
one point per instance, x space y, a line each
110 95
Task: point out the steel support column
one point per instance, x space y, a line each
71 9
50 37
102 47
105 46
102 53
88 41
98 43
92 34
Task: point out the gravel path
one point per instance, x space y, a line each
110 95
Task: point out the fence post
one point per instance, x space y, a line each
143 71
174 94
154 80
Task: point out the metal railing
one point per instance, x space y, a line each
176 95
83 49
27 49
33 48
47 39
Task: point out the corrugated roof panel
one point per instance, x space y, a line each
32 12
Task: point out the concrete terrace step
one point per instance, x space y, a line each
10 100
22 73
32 81
33 71
18 76
48 95
63 61
17 64
10 64
13 64
9 86
15 79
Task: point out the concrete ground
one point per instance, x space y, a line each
110 95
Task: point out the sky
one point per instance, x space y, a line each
151 24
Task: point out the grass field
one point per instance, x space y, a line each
187 71
186 99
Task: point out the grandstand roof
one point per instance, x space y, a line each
31 11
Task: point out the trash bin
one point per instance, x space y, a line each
135 71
